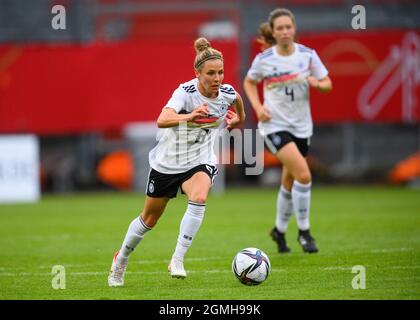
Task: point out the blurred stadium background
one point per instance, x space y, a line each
90 92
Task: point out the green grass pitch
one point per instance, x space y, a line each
375 227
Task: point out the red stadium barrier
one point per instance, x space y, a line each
375 76
71 88
64 89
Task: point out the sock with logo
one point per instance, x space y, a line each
189 226
301 197
135 234
284 209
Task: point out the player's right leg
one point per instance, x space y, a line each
152 211
284 211
295 162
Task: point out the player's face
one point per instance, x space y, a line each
284 30
210 77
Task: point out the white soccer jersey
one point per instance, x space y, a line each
183 147
286 91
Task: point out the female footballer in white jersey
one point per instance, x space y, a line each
184 157
288 70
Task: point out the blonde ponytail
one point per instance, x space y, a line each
204 52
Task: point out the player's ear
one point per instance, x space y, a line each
197 73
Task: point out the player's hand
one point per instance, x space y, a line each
312 81
232 119
200 112
263 114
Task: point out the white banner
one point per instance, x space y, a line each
19 168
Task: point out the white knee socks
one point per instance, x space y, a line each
284 209
135 234
189 226
301 197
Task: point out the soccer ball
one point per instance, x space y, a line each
251 266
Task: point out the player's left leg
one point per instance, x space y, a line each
196 188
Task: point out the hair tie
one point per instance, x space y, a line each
212 56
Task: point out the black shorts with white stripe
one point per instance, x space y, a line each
161 185
277 140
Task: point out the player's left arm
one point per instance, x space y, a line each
233 119
323 85
318 78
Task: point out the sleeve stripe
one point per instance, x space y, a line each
302 48
230 93
189 89
228 90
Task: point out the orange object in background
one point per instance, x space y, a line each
117 170
406 170
270 160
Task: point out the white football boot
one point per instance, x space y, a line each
116 274
176 268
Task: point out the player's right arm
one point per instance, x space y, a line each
251 90
170 118
174 111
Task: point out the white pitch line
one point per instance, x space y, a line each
134 262
95 273
377 267
391 250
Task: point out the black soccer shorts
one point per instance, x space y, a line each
277 140
162 185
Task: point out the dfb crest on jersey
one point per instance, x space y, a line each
224 108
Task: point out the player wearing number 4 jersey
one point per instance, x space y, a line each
184 157
288 70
